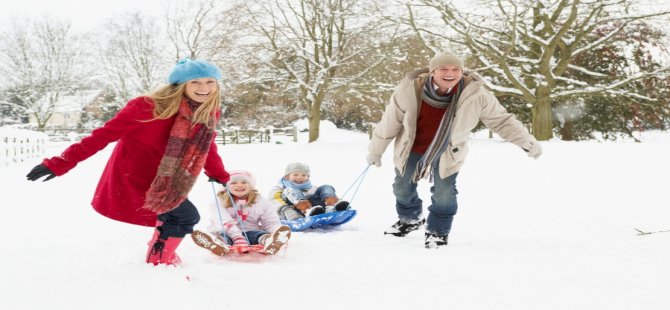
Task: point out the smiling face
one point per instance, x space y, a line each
201 89
239 188
297 177
446 77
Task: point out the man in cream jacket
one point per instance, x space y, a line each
431 115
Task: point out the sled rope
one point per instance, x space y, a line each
235 207
237 215
358 180
218 208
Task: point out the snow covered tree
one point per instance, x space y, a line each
611 116
132 55
200 28
304 44
8 113
528 48
361 104
104 109
43 61
210 30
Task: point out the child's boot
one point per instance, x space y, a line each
315 210
340 206
205 241
330 201
289 213
273 242
303 205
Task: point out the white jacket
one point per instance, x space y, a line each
280 195
260 216
475 104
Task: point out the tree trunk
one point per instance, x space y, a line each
542 119
314 122
566 132
41 123
315 112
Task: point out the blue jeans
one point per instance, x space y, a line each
180 221
321 193
252 235
443 198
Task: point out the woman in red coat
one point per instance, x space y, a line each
165 139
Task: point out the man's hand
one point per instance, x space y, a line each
533 149
374 159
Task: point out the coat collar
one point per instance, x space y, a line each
473 81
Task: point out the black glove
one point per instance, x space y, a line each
40 171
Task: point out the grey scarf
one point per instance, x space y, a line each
430 159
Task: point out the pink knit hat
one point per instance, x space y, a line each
242 175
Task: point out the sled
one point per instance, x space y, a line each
315 221
236 249
217 245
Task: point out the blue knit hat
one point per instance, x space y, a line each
189 69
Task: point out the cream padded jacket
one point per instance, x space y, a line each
475 104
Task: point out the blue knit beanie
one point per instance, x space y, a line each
189 69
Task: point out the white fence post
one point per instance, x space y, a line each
17 145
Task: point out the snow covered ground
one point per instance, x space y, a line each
552 233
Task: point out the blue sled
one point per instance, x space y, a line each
331 219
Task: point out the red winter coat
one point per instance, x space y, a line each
133 164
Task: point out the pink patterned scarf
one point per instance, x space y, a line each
184 158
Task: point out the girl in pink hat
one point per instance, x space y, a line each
243 219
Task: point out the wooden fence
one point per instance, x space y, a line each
18 145
261 135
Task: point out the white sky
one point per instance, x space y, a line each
84 14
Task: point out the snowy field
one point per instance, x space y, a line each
553 233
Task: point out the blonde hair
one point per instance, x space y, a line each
167 99
225 198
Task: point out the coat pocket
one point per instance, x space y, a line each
457 153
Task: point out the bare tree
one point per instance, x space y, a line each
306 43
362 103
528 47
43 61
199 28
133 55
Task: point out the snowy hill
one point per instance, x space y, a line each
553 233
